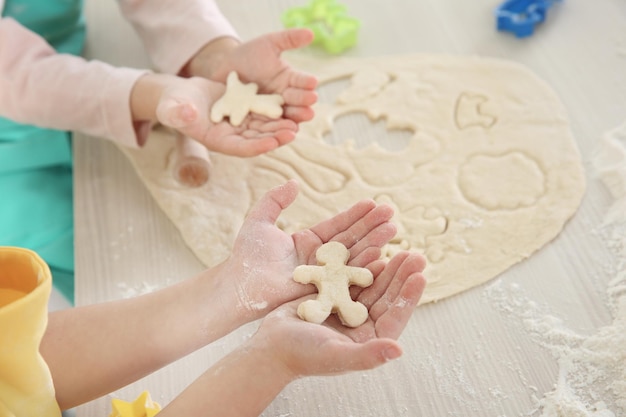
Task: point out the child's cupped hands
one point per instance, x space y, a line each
264 257
185 106
260 61
305 349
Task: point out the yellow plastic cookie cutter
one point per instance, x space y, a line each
334 30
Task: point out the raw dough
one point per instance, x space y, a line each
241 99
333 278
489 173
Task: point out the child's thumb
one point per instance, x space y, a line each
176 113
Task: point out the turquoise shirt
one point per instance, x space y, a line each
36 209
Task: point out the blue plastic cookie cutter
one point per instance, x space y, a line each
521 16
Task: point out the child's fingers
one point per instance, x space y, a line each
291 38
237 145
388 285
372 229
350 356
308 240
364 258
176 113
329 228
263 125
298 114
377 237
299 97
269 207
372 295
338 356
284 136
251 142
302 81
393 321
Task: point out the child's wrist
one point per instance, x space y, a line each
145 95
269 358
221 303
208 60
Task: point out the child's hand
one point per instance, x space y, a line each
264 257
311 349
285 348
259 61
185 106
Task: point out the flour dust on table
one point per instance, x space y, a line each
488 174
591 381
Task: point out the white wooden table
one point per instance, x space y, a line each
464 356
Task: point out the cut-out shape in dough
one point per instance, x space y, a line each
502 182
333 278
469 112
348 128
417 222
364 84
241 99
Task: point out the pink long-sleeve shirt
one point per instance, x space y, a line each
41 87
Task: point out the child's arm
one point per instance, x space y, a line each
286 348
65 92
193 38
40 87
94 350
239 385
184 104
174 31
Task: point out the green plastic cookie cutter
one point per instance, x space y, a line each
334 30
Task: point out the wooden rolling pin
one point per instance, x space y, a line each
192 162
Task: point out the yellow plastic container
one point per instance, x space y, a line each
26 387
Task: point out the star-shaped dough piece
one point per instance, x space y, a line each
241 99
143 406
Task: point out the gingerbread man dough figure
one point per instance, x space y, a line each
241 99
333 278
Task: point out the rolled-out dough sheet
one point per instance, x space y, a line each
490 174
